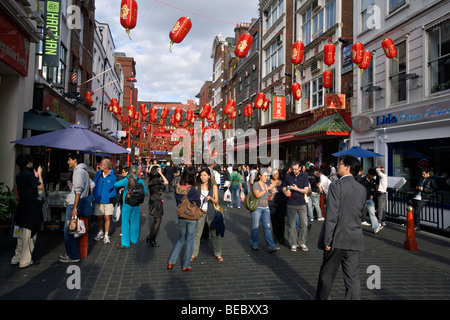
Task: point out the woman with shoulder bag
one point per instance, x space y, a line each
209 196
187 228
262 214
130 214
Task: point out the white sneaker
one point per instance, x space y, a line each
379 228
320 219
106 239
99 236
293 248
365 223
304 247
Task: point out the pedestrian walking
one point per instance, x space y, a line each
295 186
156 183
341 236
209 196
381 194
370 185
104 193
187 228
80 186
235 187
28 214
262 191
277 207
169 175
130 214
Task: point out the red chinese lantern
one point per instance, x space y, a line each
296 91
131 111
212 116
233 113
230 104
185 123
143 109
172 119
193 118
136 115
246 111
224 125
189 115
110 107
178 114
298 50
327 79
204 112
152 114
243 45
128 15
330 53
357 52
265 105
260 97
88 98
365 63
164 113
161 122
249 109
389 48
180 30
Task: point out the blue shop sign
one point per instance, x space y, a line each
423 113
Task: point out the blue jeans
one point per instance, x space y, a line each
315 199
70 242
261 214
370 207
188 229
236 192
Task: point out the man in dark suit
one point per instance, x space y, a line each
341 236
170 175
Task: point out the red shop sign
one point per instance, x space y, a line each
278 108
14 46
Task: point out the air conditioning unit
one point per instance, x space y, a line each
317 5
316 66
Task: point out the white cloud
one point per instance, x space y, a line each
176 76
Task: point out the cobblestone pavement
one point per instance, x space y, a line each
140 273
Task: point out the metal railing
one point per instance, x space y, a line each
432 215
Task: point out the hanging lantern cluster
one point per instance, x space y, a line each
248 110
204 112
128 15
259 101
329 59
179 31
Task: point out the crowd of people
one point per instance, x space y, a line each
287 200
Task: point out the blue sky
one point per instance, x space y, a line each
177 76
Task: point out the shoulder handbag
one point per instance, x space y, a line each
86 206
188 210
251 202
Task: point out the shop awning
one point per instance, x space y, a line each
332 125
43 121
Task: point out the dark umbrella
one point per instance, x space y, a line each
358 152
43 121
76 137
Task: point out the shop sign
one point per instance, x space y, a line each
423 113
14 46
278 108
51 46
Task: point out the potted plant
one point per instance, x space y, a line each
8 204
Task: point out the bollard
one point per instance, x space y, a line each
83 242
322 204
410 242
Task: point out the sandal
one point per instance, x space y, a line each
219 258
193 258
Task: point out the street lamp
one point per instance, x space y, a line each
131 79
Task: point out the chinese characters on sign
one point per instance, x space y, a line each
278 108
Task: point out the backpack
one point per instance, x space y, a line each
136 195
188 210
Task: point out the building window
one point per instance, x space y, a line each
330 14
216 98
366 83
306 28
275 11
217 69
62 65
247 87
317 92
439 57
274 57
366 14
317 24
395 4
397 75
306 96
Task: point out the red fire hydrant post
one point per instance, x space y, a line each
83 242
410 242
